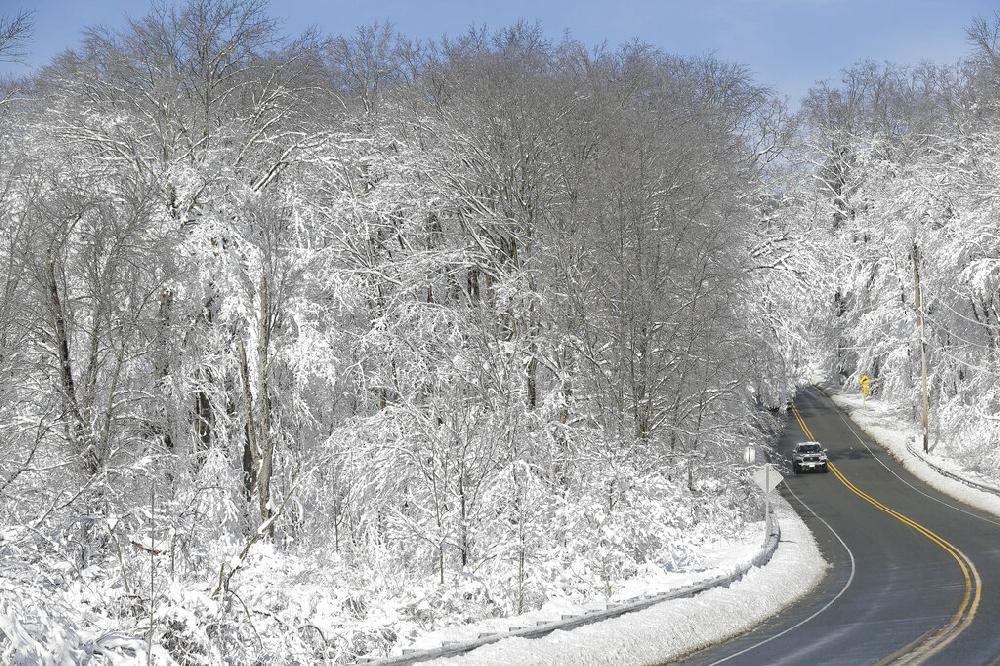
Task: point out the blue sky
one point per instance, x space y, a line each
788 44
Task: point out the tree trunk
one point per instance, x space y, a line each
68 386
919 304
204 417
203 412
264 439
162 366
251 453
464 527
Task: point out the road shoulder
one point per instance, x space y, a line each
896 435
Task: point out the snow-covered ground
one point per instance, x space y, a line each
718 557
892 427
677 627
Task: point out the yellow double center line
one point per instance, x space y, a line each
933 642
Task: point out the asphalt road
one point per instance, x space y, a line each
915 576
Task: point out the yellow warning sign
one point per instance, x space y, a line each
866 383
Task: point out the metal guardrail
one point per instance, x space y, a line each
454 648
993 490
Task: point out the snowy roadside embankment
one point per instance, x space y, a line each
720 562
890 426
677 627
719 559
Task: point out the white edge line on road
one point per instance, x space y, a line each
850 579
847 422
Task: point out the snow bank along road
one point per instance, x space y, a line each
917 572
677 626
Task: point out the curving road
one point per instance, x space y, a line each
915 576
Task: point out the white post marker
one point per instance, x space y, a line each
750 454
767 479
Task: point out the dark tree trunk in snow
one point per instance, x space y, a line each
67 385
265 440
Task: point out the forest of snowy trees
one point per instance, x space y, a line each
899 185
308 344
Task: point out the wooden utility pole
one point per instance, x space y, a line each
924 398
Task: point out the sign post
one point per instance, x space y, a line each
767 479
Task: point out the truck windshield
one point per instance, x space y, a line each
810 448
